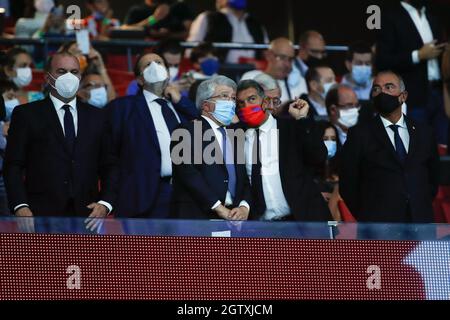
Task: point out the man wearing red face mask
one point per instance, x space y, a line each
281 180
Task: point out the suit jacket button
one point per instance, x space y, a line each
225 181
65 182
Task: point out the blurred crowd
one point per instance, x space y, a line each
362 145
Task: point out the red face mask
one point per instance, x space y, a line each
252 115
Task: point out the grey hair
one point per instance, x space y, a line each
399 77
206 89
267 82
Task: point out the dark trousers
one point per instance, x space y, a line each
433 114
161 207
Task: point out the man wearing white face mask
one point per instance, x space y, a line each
93 90
61 146
343 109
140 127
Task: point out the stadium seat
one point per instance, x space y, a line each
121 80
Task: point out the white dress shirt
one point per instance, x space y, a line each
276 204
240 34
58 105
162 131
219 139
424 29
342 135
320 109
402 131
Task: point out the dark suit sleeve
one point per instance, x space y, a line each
349 174
109 164
186 109
314 150
433 166
389 54
15 159
186 173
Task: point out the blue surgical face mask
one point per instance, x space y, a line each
9 107
224 112
326 87
98 97
331 147
361 74
210 66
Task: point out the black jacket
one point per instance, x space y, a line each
197 187
396 41
301 148
41 172
376 186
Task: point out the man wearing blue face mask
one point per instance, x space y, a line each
93 90
140 127
359 62
211 189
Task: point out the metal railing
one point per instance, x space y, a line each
128 45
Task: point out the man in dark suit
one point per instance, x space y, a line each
281 174
140 127
389 166
409 44
57 151
209 180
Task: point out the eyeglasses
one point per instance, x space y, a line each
223 96
274 101
284 58
92 85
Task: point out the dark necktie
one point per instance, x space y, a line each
257 186
69 128
169 117
229 162
399 146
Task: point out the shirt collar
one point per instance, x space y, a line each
150 96
213 125
228 12
411 9
58 104
268 125
401 122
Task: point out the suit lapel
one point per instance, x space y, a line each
83 126
412 139
382 136
283 150
147 120
206 126
53 122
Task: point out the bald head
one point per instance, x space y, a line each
312 44
280 55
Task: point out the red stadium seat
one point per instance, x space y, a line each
38 81
121 80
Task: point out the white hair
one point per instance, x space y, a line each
267 82
206 89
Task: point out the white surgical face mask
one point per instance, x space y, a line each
155 72
23 77
66 85
326 87
9 107
348 118
98 97
44 6
173 72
